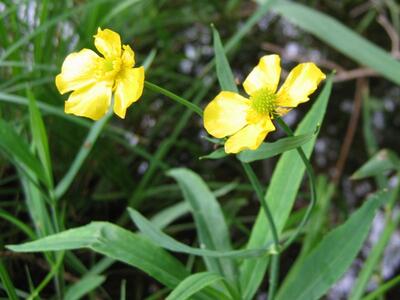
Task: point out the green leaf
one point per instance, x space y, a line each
40 137
210 222
193 284
267 150
159 238
18 151
328 261
224 72
7 283
83 287
340 37
281 194
82 154
217 154
117 243
384 160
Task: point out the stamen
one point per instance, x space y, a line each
263 101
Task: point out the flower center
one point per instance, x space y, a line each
109 68
263 101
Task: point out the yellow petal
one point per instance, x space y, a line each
91 101
78 70
226 114
128 89
265 75
250 137
108 43
128 57
301 82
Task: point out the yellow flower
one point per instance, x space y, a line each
93 78
247 121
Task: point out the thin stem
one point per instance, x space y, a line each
311 179
274 271
193 107
81 156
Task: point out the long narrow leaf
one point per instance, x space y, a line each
210 223
117 243
83 286
167 242
193 284
340 37
332 256
40 137
224 73
17 149
267 150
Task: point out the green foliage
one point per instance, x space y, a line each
202 235
327 262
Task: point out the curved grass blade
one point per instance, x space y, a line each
117 243
167 242
210 222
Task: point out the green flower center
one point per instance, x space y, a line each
263 101
108 68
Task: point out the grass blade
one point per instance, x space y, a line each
328 261
18 150
83 153
267 150
341 38
167 242
224 72
383 161
83 287
40 137
210 223
193 284
115 242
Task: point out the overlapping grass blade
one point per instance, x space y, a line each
117 243
17 149
210 223
328 261
167 242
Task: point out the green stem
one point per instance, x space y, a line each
155 88
381 290
83 153
311 179
274 271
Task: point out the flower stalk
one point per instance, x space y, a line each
155 88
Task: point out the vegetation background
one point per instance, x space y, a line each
127 163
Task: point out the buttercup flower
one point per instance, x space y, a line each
93 78
247 121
